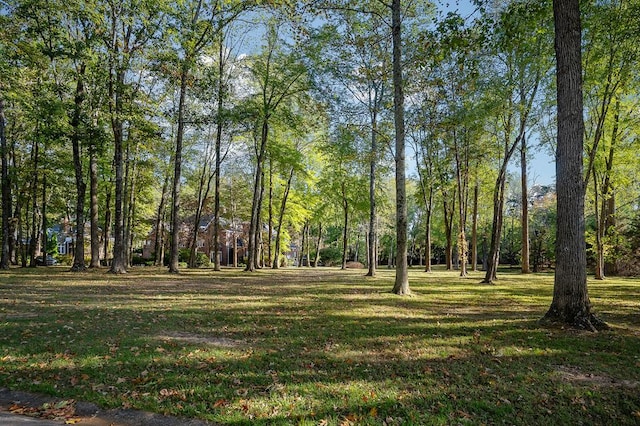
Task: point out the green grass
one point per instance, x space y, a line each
320 347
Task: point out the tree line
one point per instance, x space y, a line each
324 123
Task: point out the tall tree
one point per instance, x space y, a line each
280 76
570 304
522 56
401 285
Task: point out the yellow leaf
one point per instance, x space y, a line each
373 412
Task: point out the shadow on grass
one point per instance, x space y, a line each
308 346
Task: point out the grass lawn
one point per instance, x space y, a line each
320 347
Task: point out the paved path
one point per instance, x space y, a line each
8 419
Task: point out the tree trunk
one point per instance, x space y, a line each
448 228
218 148
371 244
474 229
93 196
44 227
599 266
131 209
259 258
401 285
107 223
496 227
160 218
175 193
345 229
608 211
6 192
203 193
81 186
302 244
570 303
283 205
270 217
255 202
118 265
427 236
462 178
525 206
33 246
318 243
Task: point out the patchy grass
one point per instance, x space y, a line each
319 347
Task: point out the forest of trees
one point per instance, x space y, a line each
372 132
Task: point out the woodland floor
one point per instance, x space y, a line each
314 347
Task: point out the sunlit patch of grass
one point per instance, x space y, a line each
307 346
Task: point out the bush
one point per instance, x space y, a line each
331 256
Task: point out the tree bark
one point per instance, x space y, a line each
448 211
107 222
175 193
34 205
118 265
525 267
570 304
218 149
255 202
474 229
160 218
93 213
318 243
345 229
6 192
81 186
401 285
283 205
371 246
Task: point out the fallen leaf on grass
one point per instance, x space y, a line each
220 403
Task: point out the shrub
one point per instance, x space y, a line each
331 256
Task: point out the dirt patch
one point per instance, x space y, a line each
83 413
222 342
575 375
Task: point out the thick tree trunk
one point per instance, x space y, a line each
570 303
525 206
118 264
81 186
401 285
6 192
175 193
